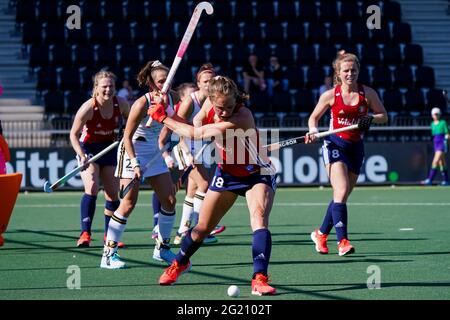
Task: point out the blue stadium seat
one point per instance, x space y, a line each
46 79
381 77
413 54
393 100
403 77
425 77
54 102
401 32
305 101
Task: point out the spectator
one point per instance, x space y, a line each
274 76
126 92
253 73
327 81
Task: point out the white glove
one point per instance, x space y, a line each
169 162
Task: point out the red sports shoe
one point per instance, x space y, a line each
171 274
320 240
345 247
85 240
218 229
260 286
119 245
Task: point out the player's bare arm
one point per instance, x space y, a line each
379 112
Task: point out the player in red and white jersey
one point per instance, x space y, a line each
343 153
248 178
97 119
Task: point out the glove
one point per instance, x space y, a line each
364 123
157 112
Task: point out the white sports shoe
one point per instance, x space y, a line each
163 253
112 262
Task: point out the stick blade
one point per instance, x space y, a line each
47 187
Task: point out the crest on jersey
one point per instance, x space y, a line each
342 111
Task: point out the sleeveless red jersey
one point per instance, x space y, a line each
239 166
99 129
343 115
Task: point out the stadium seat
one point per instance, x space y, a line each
317 33
157 11
98 33
222 11
39 55
413 54
25 11
281 101
69 78
393 101
54 102
274 33
129 55
218 54
287 11
327 53
364 76
305 101
143 33
264 11
164 33
136 10
349 11
32 33
285 54
113 11
314 77
359 33
435 99
54 32
370 54
61 55
84 55
90 10
414 101
243 11
252 33
150 52
308 11
328 11
392 54
425 77
106 56
46 79
206 32
381 77
121 33
403 77
306 55
295 77
401 32
338 32
295 33
230 32
74 100
391 11
260 102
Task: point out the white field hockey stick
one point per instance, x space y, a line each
50 188
184 44
167 147
298 140
188 170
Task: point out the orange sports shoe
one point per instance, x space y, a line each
260 286
119 244
85 239
320 240
171 274
345 247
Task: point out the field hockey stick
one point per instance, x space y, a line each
299 140
184 44
167 147
50 188
182 179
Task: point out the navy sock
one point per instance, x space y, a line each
87 211
444 174
188 248
339 212
156 208
107 218
327 223
261 249
432 174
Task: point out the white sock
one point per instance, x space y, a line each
186 218
116 228
198 201
166 222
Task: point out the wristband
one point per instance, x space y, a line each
135 163
313 130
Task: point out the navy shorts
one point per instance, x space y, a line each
91 149
223 181
335 149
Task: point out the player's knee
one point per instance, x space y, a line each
126 206
112 205
169 202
